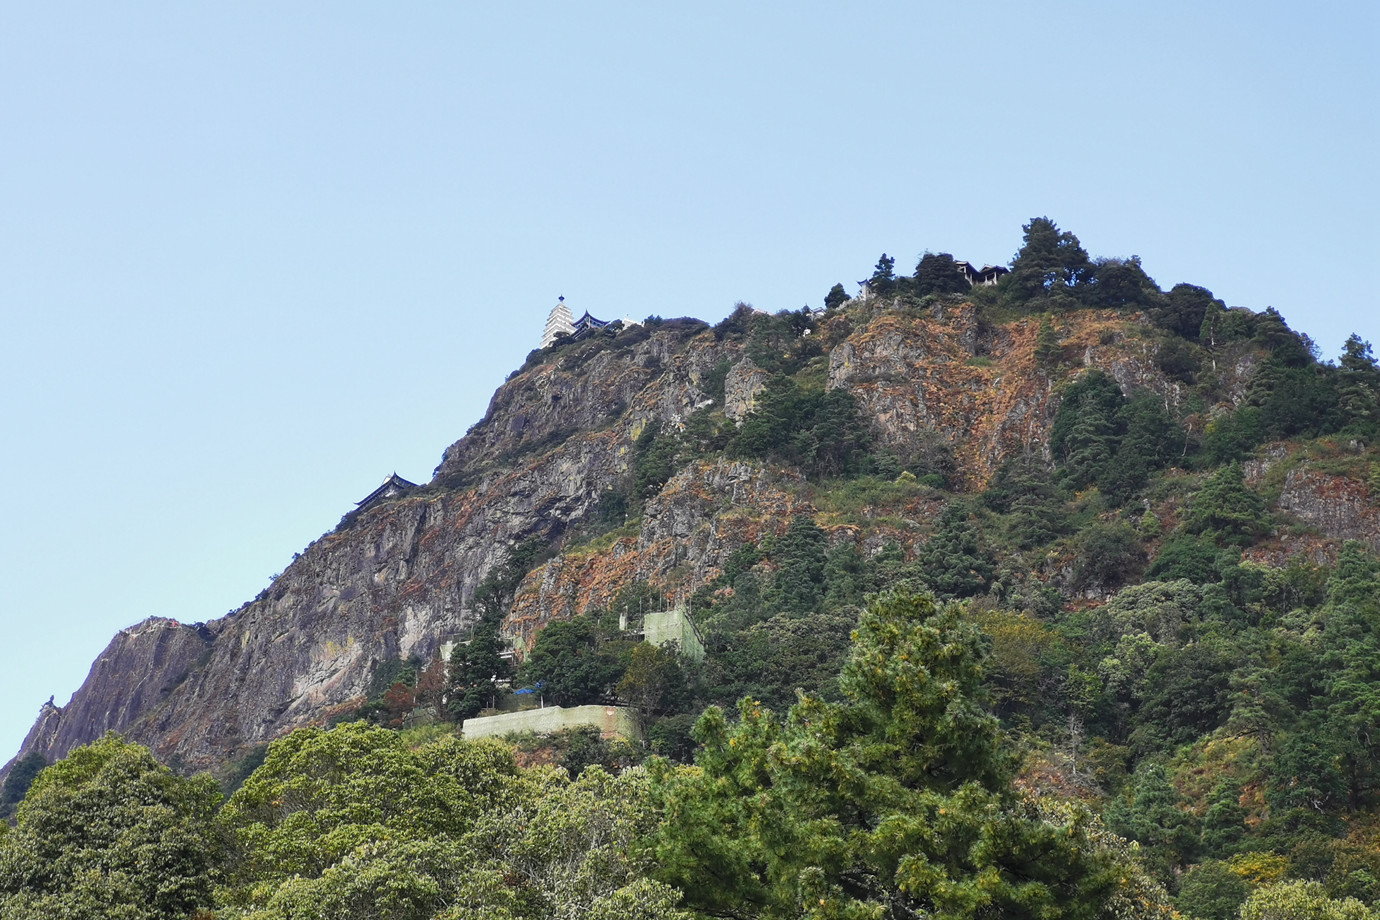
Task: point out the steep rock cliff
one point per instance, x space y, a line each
394 579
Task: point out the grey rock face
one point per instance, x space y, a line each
1343 509
140 669
741 386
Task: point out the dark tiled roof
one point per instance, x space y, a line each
393 485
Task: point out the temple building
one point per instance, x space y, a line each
559 322
976 277
988 274
393 485
588 323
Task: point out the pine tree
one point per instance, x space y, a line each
1050 262
953 560
1359 388
1157 816
1087 429
1224 824
836 297
896 802
1226 510
800 555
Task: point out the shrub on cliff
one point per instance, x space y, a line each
818 430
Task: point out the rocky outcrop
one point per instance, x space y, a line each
588 386
700 517
1335 508
1341 508
139 669
741 386
985 392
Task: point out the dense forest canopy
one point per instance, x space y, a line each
1116 679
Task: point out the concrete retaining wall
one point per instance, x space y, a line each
610 720
673 626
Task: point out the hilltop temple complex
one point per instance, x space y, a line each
559 322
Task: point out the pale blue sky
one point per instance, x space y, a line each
254 257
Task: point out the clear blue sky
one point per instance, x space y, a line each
255 257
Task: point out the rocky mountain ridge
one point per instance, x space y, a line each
396 579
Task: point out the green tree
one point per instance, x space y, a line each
896 802
1224 824
656 682
1023 489
654 460
1047 350
836 297
1146 443
1212 891
1121 284
1359 388
574 663
883 280
1189 694
354 804
800 555
475 665
1157 816
18 781
1193 557
1184 308
473 669
937 273
774 659
1226 510
1050 262
1108 556
1301 900
1163 610
819 430
108 832
953 560
494 594
844 574
1101 438
566 849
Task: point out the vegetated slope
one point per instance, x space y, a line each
395 580
637 458
1161 513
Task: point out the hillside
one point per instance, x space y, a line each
1161 513
397 580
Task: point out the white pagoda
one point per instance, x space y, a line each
558 321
